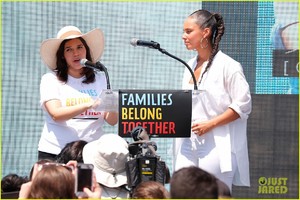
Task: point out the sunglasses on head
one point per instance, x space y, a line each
41 166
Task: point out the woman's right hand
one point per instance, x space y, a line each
95 104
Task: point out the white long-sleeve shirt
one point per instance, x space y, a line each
224 86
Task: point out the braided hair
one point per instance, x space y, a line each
214 21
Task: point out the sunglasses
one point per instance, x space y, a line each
41 166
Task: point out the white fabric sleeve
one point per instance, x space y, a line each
49 88
239 91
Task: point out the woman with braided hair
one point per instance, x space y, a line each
218 142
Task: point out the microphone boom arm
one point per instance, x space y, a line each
96 66
180 60
101 67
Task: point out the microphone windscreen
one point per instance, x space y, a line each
83 61
134 41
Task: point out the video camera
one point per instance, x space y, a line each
144 164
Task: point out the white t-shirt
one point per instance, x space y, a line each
86 126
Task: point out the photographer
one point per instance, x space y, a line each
54 181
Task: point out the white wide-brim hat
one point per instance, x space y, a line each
94 39
109 155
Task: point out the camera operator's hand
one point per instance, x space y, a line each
96 191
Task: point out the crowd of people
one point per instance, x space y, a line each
206 165
52 179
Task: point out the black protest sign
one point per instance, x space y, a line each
163 113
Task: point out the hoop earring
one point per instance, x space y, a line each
201 43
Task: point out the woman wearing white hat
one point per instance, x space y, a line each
68 92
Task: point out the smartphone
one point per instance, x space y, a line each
83 178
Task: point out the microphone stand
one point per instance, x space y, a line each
101 67
180 60
108 97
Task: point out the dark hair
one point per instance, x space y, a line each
71 151
193 183
150 190
224 191
61 64
214 21
12 182
53 182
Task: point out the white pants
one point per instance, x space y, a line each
202 152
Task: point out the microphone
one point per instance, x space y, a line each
155 45
96 66
150 44
85 63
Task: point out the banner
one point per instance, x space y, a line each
163 113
